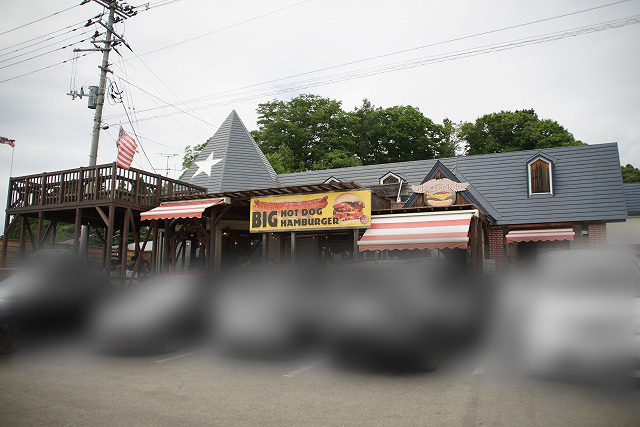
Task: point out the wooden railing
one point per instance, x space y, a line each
102 183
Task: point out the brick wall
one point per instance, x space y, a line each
597 235
496 245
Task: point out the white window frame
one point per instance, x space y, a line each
550 163
331 179
389 174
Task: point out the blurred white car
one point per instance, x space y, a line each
582 314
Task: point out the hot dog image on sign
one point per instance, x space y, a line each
440 192
347 209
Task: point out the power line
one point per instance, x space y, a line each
39 48
45 17
42 54
428 60
43 68
223 28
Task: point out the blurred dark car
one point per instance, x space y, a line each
54 293
406 312
268 311
158 315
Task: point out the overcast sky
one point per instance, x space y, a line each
588 83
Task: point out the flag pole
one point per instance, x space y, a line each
11 167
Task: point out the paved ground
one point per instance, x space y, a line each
74 386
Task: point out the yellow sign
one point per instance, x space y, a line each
344 209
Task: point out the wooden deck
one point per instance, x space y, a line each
93 186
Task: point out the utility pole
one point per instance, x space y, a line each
123 11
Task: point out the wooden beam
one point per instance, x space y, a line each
211 256
45 236
136 236
356 237
76 231
154 249
5 240
125 246
23 235
265 247
54 233
30 233
109 239
102 215
221 215
40 230
166 251
293 247
138 260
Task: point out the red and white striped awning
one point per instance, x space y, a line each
540 235
182 209
418 231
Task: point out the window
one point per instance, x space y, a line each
540 177
331 179
390 178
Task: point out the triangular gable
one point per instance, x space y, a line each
439 171
231 161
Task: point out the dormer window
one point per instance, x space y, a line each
331 179
540 172
390 178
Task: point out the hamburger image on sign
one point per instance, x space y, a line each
348 207
441 198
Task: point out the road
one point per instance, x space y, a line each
73 385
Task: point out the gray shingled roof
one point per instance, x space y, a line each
243 166
587 183
632 194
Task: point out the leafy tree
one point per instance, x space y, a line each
630 173
513 131
308 125
191 154
337 159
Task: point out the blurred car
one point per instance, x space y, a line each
405 312
267 311
54 293
583 314
159 315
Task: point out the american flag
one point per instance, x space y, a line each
10 142
127 148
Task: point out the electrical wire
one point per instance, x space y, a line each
42 69
223 28
524 24
43 18
296 86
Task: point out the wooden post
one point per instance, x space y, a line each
211 256
77 231
166 255
356 237
54 231
5 239
265 247
184 252
23 235
293 247
108 241
40 230
154 248
125 246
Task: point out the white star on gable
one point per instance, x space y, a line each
204 166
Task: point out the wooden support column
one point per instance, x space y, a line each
293 247
54 232
184 253
356 237
211 250
108 241
76 231
265 247
192 253
40 230
166 251
125 245
5 240
23 235
154 249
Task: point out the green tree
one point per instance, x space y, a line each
630 173
337 159
308 125
513 131
191 154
